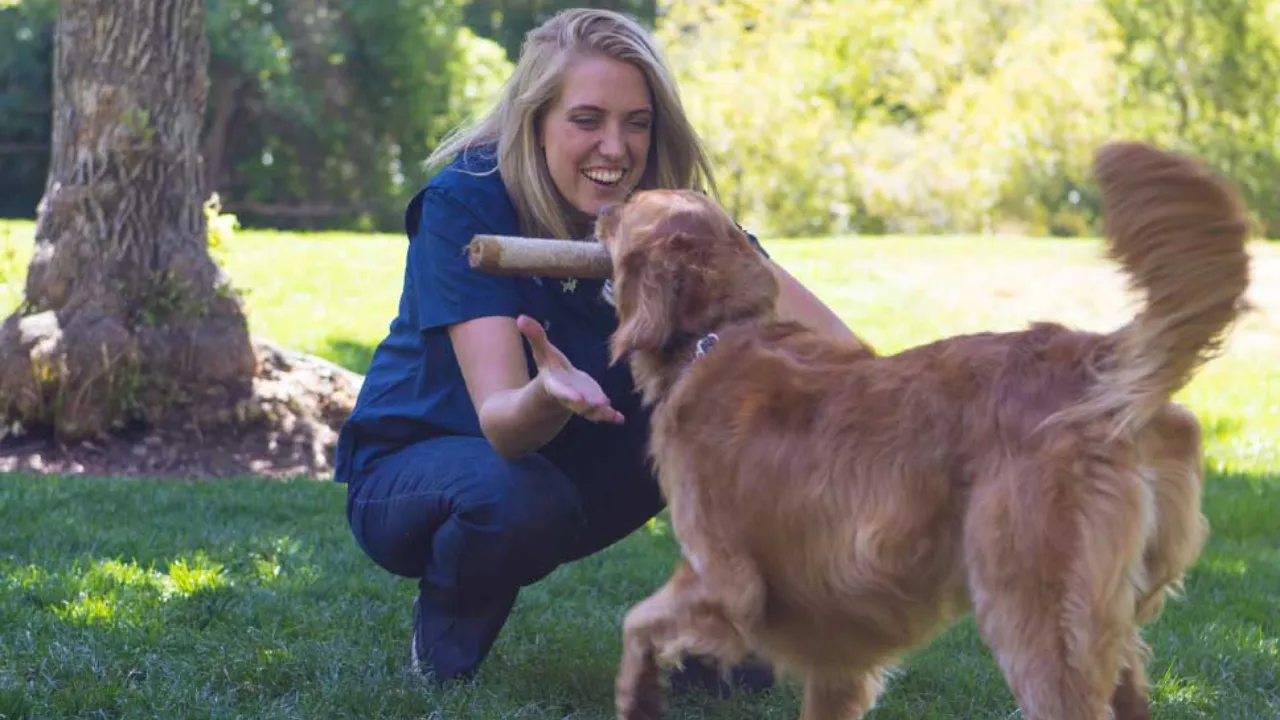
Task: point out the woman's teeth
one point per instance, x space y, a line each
604 177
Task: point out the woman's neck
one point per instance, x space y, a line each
581 225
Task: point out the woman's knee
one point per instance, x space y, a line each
454 511
516 527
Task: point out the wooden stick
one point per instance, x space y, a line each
507 255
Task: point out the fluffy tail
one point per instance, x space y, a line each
1178 231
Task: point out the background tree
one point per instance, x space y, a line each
125 316
507 21
871 116
26 60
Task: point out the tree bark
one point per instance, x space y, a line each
126 316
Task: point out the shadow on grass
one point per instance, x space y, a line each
352 355
249 598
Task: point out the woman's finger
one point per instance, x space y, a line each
532 331
581 395
544 353
604 414
597 407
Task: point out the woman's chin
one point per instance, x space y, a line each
595 199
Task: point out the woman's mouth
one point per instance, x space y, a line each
604 177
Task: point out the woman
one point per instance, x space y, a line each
465 470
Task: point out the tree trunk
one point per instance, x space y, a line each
126 316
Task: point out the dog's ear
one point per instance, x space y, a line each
754 286
646 287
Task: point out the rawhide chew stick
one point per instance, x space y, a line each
508 255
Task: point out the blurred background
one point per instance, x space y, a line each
823 116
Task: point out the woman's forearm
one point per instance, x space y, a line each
798 303
523 419
516 414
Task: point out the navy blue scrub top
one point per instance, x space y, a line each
414 389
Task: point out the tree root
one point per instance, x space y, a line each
285 427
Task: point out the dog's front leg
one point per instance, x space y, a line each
649 624
638 691
840 693
680 619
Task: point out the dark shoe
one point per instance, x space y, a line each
698 675
450 644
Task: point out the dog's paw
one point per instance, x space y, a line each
639 692
644 704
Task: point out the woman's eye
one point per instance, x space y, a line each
586 122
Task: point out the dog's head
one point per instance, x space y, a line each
681 268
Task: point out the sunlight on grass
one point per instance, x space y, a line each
269 563
657 527
112 590
1182 693
188 579
1228 566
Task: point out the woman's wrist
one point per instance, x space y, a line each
544 405
523 419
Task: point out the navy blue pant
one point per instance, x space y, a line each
474 528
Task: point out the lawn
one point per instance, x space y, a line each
249 599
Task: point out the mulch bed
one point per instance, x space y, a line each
300 402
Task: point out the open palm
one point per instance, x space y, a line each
571 387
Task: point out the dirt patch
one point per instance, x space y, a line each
289 430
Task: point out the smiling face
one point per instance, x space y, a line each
596 135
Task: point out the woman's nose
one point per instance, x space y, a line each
611 144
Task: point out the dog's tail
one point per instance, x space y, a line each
1179 233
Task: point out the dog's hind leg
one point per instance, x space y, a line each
1054 548
840 693
1171 451
685 617
1129 701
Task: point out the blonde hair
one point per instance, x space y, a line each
676 159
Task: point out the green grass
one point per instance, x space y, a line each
249 599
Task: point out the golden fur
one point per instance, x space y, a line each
837 508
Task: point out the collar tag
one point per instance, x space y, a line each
704 346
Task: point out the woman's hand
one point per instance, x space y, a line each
560 380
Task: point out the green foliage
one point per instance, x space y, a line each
26 64
755 84
320 112
13 270
1010 143
954 116
506 21
337 102
1204 75
344 124
221 226
480 68
331 102
822 116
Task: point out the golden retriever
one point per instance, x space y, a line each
837 508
